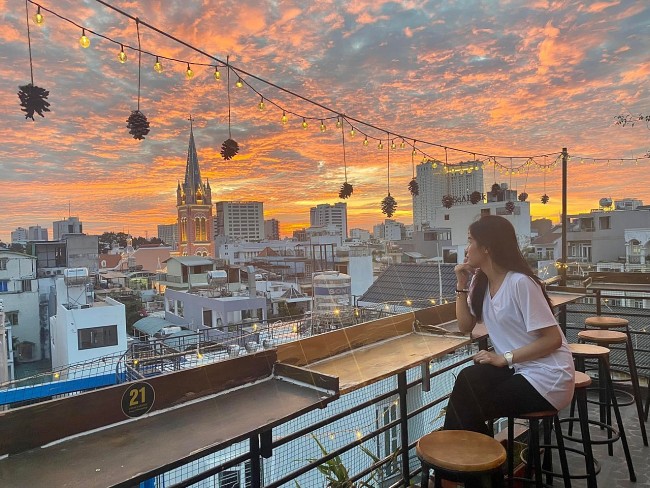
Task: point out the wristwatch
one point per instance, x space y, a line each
508 356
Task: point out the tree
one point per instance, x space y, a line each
631 120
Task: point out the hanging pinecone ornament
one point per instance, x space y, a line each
496 189
33 99
137 124
447 201
545 199
523 196
510 206
388 205
346 190
229 149
475 197
414 187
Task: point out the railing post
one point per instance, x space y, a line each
256 465
402 389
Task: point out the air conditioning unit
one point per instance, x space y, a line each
48 272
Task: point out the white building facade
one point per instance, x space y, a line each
19 236
37 233
240 220
19 292
435 181
324 215
71 225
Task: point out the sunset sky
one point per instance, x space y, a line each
507 78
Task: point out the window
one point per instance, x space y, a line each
12 317
391 437
446 216
638 303
4 285
95 337
604 223
3 263
27 285
485 211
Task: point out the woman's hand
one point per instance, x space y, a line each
489 357
463 273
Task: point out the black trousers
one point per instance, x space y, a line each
483 392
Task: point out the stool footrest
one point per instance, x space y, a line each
615 435
572 476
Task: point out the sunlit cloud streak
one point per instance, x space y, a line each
508 78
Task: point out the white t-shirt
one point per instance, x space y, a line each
512 317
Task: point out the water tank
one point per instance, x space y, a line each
217 277
332 290
605 202
75 276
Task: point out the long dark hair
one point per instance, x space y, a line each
497 235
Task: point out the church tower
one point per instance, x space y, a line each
194 204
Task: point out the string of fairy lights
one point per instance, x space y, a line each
382 137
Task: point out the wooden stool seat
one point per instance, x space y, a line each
582 380
588 351
461 451
604 322
603 336
542 414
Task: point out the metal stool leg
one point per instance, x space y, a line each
581 398
562 452
424 479
511 451
634 377
619 420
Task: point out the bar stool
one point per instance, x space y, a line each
581 383
533 461
601 354
604 336
460 455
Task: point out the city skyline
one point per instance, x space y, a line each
511 78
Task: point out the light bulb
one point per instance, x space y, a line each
393 145
38 16
338 122
365 142
323 127
284 117
199 355
157 66
189 74
121 56
239 83
415 152
217 75
435 165
402 144
304 123
380 145
261 105
83 40
352 132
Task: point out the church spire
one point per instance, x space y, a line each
192 170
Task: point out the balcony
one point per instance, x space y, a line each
380 415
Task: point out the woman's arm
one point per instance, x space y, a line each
466 321
549 339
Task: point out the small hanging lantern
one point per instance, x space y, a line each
510 207
346 190
414 187
388 205
545 199
475 197
523 196
448 201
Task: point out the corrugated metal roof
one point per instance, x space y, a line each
151 325
400 282
191 260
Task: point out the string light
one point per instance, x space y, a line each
352 133
284 118
402 144
157 66
304 123
393 145
338 122
217 74
121 56
365 142
84 41
189 74
323 127
380 145
261 105
38 17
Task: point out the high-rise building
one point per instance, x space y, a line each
71 225
19 236
240 220
435 181
36 233
194 204
325 214
272 229
168 233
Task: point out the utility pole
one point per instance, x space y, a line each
4 350
563 269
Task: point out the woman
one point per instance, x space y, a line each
531 367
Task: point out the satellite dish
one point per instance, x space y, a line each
605 202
